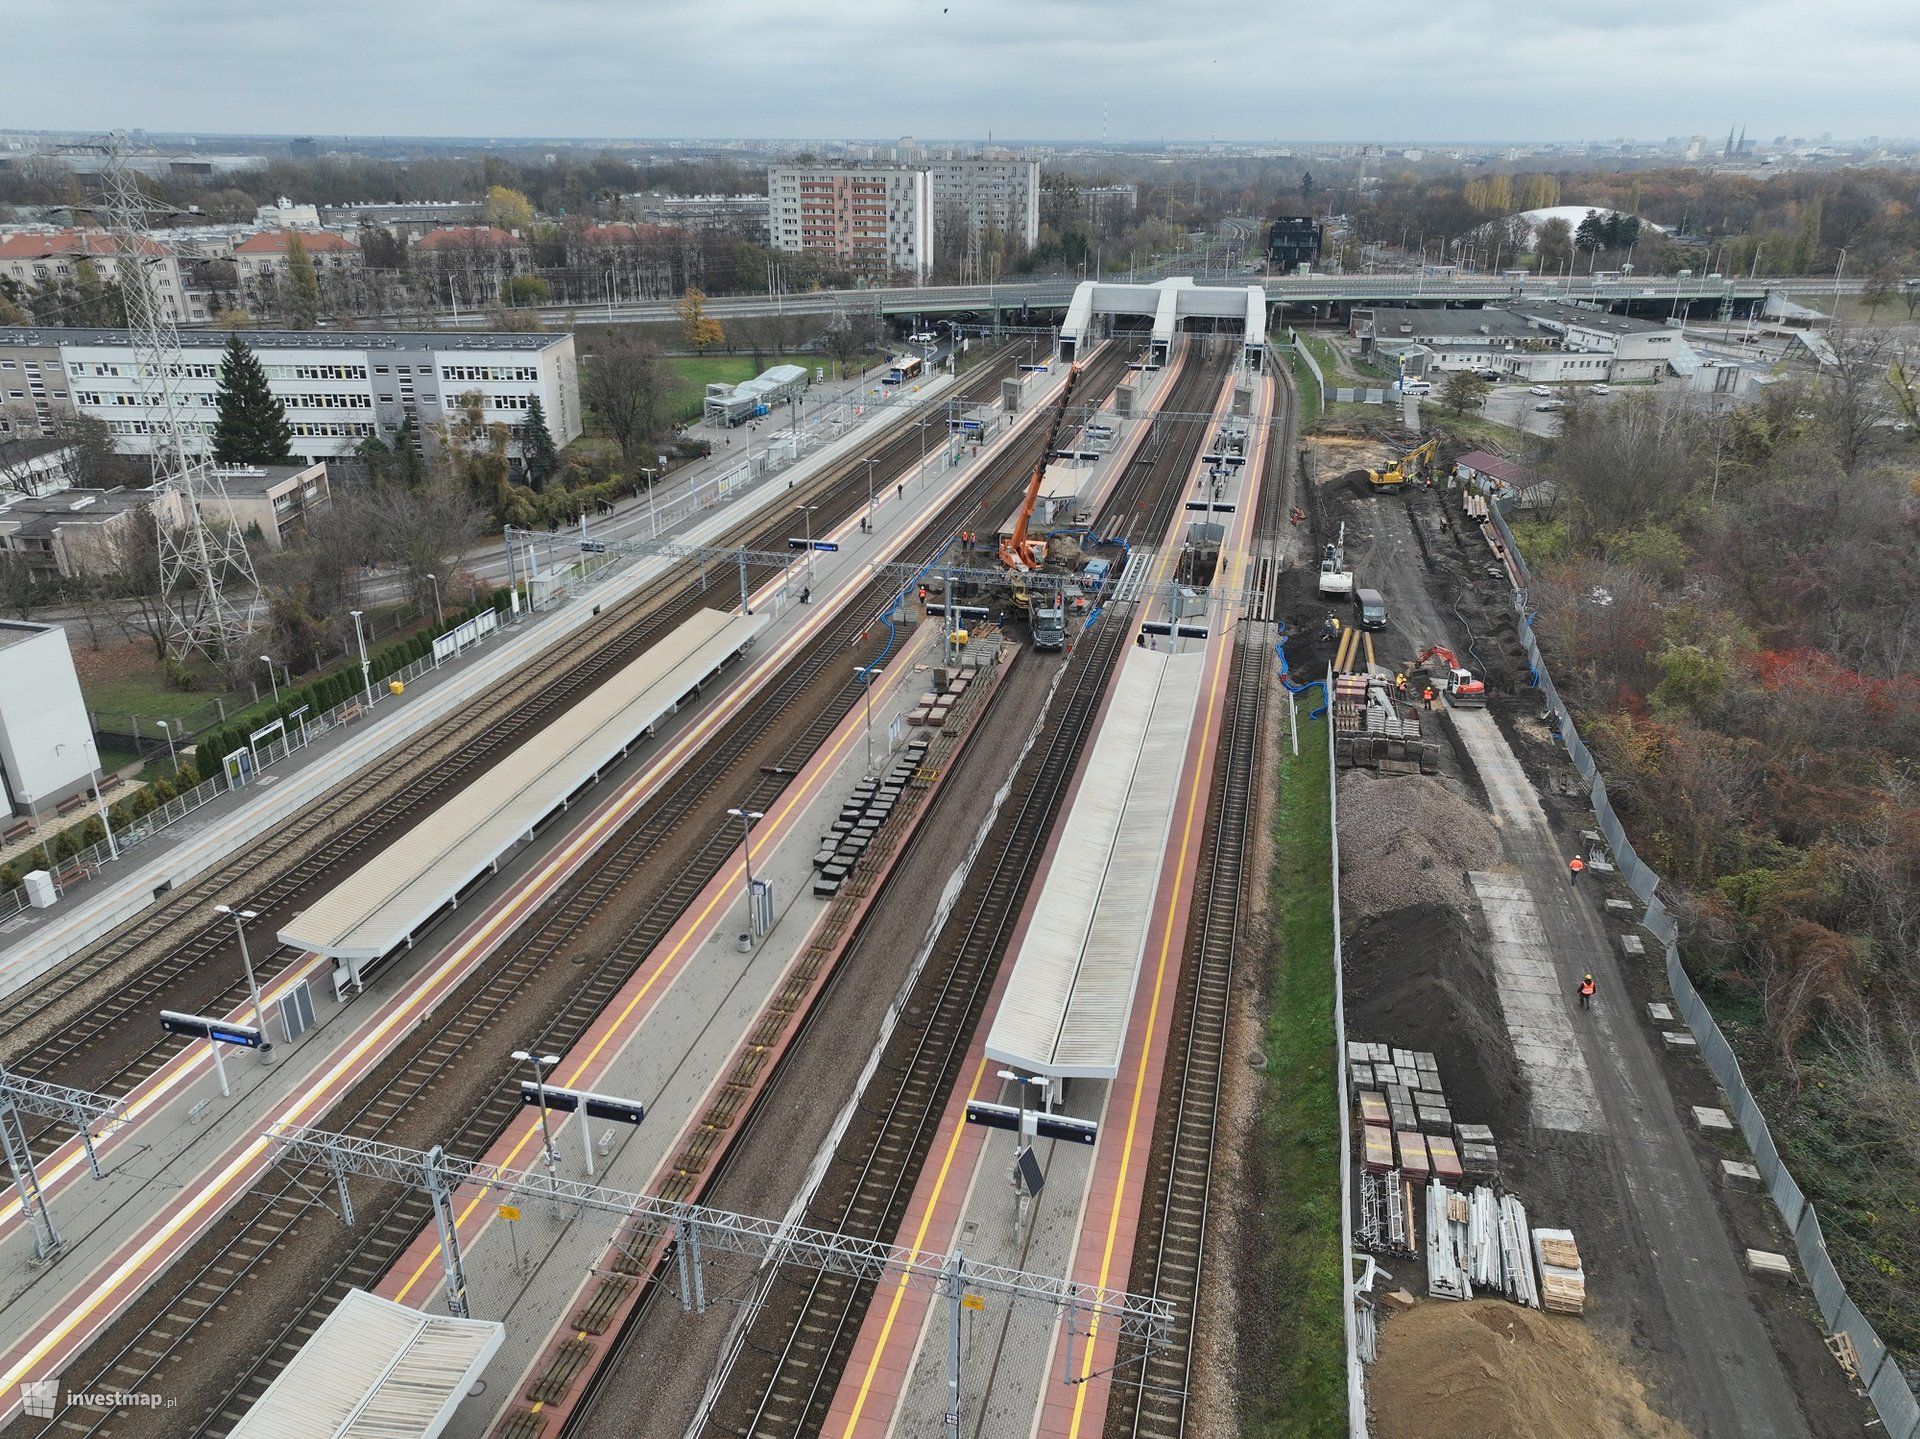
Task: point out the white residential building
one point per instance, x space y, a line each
981 195
875 219
285 215
339 388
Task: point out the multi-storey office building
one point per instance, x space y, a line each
338 389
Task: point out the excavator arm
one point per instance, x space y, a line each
1014 551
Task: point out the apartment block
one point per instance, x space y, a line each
875 219
983 195
41 259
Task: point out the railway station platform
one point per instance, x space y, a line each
36 942
673 1039
186 1151
391 897
1065 1012
1084 1222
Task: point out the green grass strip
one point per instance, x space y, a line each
1294 1344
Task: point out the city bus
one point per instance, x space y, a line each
905 368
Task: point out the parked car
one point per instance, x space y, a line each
1489 374
1551 405
1599 390
1538 390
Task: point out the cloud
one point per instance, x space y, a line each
1041 69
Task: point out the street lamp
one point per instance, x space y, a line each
253 985
806 512
173 756
439 613
746 818
272 678
99 799
540 1064
366 666
865 674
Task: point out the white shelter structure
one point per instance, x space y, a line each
374 1370
1169 304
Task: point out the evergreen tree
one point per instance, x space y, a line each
542 458
251 424
408 464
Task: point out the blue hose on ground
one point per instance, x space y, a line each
1286 677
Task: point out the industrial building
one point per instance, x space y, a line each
339 388
1535 341
46 742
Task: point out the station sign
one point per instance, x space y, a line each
795 542
574 1101
1043 1126
220 1031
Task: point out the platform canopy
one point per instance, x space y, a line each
374 1370
1066 1007
390 898
1167 303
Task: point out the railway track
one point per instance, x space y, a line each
545 986
114 1043
796 1349
1170 1251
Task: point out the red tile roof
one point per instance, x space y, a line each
274 242
464 237
47 244
624 232
1494 467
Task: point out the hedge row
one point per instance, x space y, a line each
76 837
324 693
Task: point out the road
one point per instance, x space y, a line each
1054 293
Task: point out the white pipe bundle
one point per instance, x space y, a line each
1485 1260
1445 1278
1517 1254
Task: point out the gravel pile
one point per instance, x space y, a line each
1408 839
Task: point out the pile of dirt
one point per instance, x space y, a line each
1495 1370
1418 978
1408 839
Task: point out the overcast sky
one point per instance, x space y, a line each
1020 69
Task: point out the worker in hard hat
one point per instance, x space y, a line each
1586 991
1575 867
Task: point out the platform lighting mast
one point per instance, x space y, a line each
207 577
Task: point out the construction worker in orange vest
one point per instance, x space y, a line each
1586 991
1426 696
1574 866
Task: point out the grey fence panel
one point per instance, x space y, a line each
1893 1401
1892 1397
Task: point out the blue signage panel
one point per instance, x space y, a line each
218 1030
597 1106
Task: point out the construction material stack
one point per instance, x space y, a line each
1563 1282
1373 730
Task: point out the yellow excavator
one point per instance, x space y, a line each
1017 552
1407 467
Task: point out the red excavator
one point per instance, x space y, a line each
1463 690
1017 552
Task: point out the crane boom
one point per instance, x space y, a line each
1014 553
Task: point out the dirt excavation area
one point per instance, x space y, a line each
1492 1370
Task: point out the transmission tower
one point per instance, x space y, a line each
206 575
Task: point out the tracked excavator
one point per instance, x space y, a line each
1407 467
1463 690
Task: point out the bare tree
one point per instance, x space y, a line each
624 385
1855 402
851 337
424 532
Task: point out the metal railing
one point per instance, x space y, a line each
1880 1375
1356 1368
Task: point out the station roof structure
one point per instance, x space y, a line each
1066 1007
1167 302
387 900
374 1370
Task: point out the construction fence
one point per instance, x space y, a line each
1892 1397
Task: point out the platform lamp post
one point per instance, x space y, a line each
747 818
866 674
438 613
273 678
806 514
173 755
540 1064
366 666
240 916
99 799
872 460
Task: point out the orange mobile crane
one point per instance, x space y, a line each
1017 552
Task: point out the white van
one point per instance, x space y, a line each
1416 387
